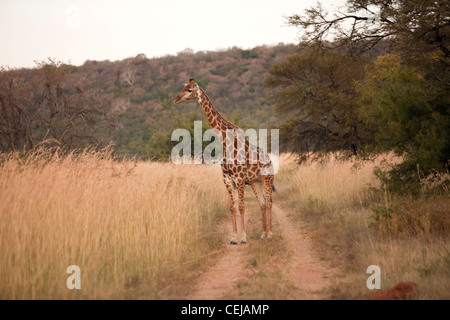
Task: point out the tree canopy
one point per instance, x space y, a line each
371 78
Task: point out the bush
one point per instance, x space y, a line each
405 114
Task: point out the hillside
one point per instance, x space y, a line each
144 89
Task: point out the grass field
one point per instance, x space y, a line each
135 229
354 227
143 230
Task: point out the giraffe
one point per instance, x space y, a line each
236 173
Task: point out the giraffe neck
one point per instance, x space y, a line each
215 119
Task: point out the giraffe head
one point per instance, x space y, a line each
189 91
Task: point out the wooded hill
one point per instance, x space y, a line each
129 103
143 91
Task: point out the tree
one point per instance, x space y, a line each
404 98
408 24
314 90
51 109
406 116
417 30
15 125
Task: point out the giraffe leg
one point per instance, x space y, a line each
229 185
267 184
241 188
262 205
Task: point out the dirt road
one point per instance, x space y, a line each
303 270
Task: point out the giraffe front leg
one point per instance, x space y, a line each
229 186
241 188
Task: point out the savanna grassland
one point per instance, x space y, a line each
354 225
135 229
147 230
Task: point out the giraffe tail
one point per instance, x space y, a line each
274 189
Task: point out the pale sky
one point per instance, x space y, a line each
80 30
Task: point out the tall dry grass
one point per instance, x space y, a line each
328 186
354 227
135 229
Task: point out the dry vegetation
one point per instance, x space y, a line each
136 229
144 230
354 226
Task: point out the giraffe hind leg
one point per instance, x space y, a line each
262 205
267 182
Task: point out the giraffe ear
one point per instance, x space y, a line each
191 83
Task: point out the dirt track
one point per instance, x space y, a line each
308 276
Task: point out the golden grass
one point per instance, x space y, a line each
326 187
135 229
143 230
410 243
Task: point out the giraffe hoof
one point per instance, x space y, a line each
269 235
233 242
243 241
